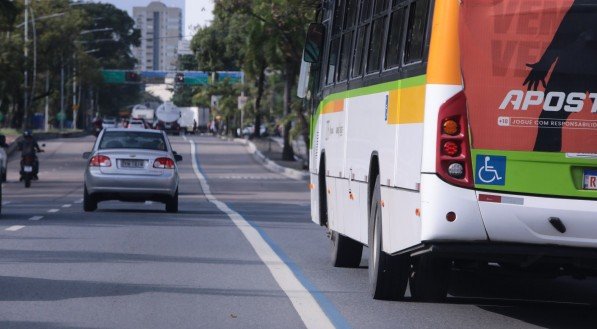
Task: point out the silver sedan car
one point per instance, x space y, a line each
133 165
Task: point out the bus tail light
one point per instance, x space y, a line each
453 158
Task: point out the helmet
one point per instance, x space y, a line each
27 133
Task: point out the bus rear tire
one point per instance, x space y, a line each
430 279
346 252
388 275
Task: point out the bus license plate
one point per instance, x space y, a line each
132 163
590 180
27 169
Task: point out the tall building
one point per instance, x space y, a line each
161 29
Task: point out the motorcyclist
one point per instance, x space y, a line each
28 147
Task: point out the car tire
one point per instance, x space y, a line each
346 252
430 278
388 275
4 176
172 203
89 203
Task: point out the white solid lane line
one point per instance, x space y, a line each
36 217
14 228
66 206
304 303
53 210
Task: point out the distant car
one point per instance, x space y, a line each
109 123
133 165
136 124
249 130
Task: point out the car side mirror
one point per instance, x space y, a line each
177 157
86 155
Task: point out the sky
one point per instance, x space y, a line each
197 12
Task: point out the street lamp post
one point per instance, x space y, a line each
26 72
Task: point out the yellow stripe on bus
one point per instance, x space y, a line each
444 51
406 105
333 107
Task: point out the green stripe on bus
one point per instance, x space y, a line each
540 173
370 90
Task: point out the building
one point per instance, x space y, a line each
161 29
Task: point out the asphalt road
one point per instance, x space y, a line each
241 254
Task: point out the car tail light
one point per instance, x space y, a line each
100 161
163 163
453 160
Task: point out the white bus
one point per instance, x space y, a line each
454 133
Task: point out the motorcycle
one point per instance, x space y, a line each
28 166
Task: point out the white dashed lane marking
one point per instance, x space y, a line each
66 206
36 217
14 228
79 201
53 210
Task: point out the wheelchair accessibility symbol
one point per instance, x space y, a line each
491 170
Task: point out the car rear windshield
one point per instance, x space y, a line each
132 140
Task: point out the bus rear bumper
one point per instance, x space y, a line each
524 255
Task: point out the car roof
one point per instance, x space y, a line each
135 129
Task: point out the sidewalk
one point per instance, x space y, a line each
268 151
271 148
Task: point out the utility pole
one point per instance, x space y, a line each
75 105
61 94
26 73
47 108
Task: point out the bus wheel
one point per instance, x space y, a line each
388 275
430 278
346 252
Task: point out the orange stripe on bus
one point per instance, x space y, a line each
333 106
444 52
406 105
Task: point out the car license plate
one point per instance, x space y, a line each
27 169
590 180
132 163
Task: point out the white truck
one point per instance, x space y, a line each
141 112
167 116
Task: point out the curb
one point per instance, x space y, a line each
269 164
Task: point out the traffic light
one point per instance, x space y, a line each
179 78
131 76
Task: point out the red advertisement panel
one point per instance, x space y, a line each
530 73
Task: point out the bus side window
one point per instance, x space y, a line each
415 33
345 56
350 18
357 62
377 35
332 61
394 45
335 43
